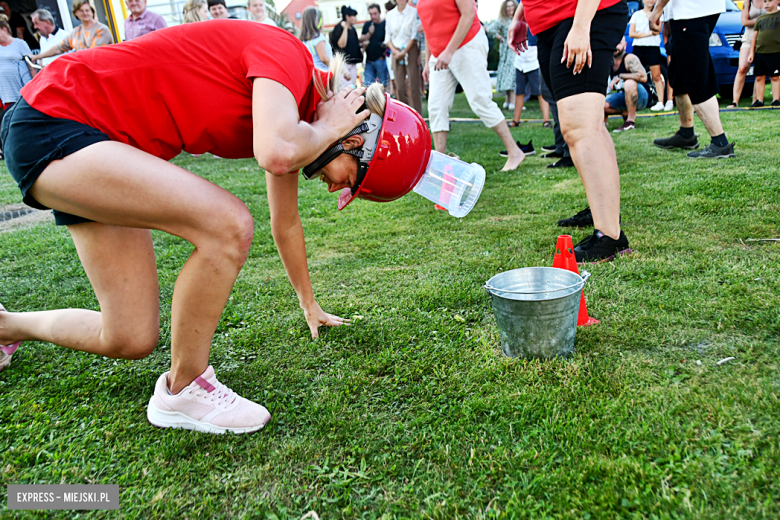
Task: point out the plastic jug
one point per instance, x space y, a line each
451 183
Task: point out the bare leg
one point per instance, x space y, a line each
121 267
669 89
775 87
130 188
519 102
685 108
742 70
709 113
760 87
516 155
510 97
632 98
594 156
545 106
655 70
440 141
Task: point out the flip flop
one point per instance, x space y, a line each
731 105
513 124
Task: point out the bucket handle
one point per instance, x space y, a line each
585 275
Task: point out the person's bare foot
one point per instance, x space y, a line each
514 160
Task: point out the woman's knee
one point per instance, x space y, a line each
234 231
137 344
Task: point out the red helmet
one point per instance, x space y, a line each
390 164
400 157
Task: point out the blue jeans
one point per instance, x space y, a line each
376 70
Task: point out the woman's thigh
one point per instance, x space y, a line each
116 184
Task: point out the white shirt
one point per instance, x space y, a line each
53 40
642 25
527 61
401 26
689 9
268 21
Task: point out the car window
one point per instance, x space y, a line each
731 6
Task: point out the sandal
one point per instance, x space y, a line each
547 124
731 105
513 124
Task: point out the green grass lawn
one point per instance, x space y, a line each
413 412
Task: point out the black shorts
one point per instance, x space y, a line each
766 64
53 139
692 70
649 56
606 30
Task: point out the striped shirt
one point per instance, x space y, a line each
14 73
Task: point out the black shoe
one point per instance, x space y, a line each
527 149
714 152
677 141
564 162
582 219
601 248
550 148
552 155
775 103
757 104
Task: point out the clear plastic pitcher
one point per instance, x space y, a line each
451 183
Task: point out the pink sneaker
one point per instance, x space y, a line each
205 405
6 352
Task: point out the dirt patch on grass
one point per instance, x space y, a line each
17 216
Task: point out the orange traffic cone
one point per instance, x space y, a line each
564 259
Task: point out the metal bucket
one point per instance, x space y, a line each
536 310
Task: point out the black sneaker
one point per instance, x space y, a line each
552 155
775 103
601 248
757 104
527 149
582 219
550 148
714 152
677 141
564 162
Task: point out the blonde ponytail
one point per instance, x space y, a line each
375 94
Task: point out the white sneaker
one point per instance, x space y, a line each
506 105
205 405
511 106
657 107
669 106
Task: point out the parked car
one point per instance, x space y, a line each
725 42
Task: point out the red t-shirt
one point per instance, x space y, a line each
183 88
439 19
543 14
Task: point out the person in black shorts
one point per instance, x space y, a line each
575 44
692 75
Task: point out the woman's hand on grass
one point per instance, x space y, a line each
316 317
576 49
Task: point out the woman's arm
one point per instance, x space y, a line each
281 142
746 21
576 48
322 52
466 9
288 235
342 43
634 34
752 54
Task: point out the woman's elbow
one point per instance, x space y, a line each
275 159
